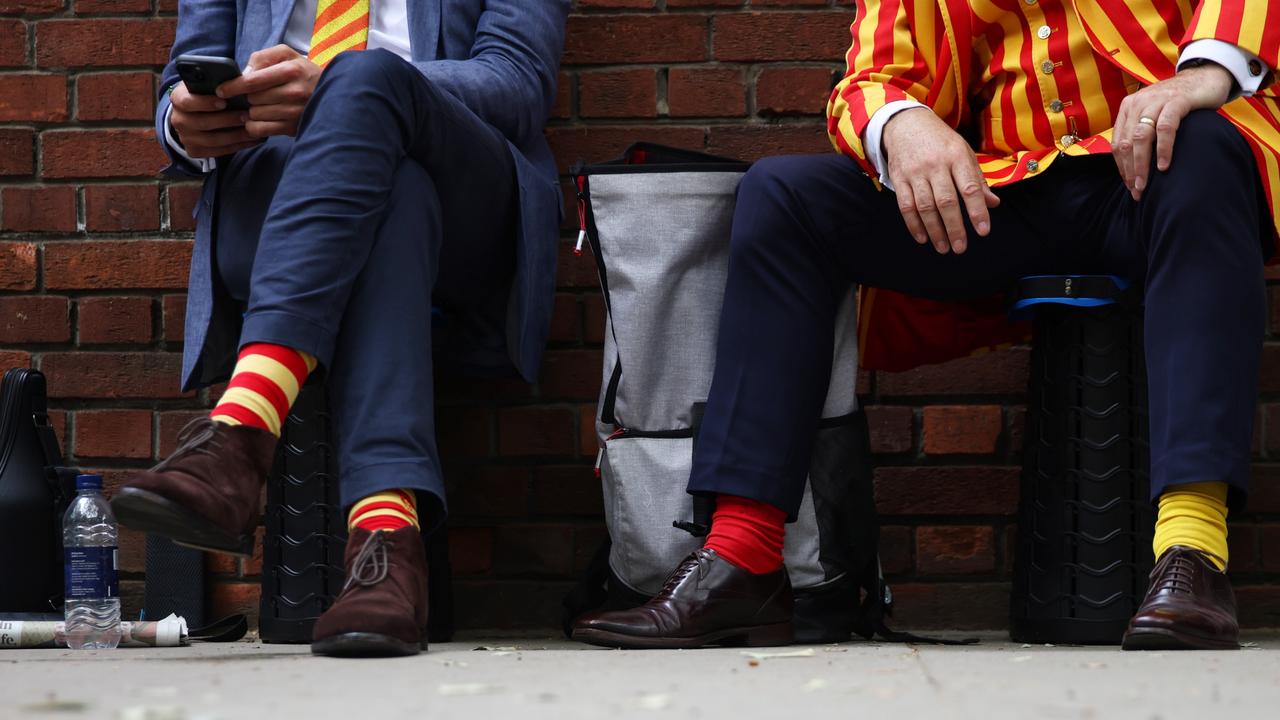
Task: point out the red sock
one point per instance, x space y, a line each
748 533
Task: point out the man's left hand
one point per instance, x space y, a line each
1153 114
278 83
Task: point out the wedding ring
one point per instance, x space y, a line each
1147 121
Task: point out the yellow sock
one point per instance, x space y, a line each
389 510
1194 515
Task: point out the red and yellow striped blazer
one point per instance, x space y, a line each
926 50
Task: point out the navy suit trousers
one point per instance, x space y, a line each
393 198
807 227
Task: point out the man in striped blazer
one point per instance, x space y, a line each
981 141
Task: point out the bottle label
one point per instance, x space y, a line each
91 573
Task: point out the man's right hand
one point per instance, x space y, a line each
936 177
205 127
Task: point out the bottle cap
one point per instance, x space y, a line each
88 482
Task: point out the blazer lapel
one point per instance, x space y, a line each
424 29
280 12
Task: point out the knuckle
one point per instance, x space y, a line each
971 189
946 201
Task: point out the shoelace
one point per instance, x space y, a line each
1178 574
696 561
371 564
197 437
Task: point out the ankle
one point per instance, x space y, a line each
748 533
389 510
1194 516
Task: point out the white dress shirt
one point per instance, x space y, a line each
388 29
1235 59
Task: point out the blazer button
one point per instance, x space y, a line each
1033 165
1047 67
1044 32
1056 106
1255 67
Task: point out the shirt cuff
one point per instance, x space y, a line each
204 164
871 137
1248 69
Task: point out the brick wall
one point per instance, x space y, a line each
93 253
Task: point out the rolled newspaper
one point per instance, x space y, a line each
19 634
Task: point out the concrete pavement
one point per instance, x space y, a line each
488 678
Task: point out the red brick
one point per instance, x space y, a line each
17 147
1269 543
955 549
570 375
112 7
567 490
182 205
951 606
464 432
123 264
113 434
752 142
17 266
706 92
533 550
492 491
972 490
594 318
618 94
962 429
589 439
565 319
998 373
100 153
536 431
114 320
232 598
49 208
175 316
794 90
14 359
1242 546
172 423
33 98
895 550
103 42
752 37
604 39
31 7
115 208
470 550
115 96
38 319
13 43
598 143
143 375
890 428
562 109
220 564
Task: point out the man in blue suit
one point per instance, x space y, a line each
391 161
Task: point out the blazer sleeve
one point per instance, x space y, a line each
510 78
883 65
1252 25
205 27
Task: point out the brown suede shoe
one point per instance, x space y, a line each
1190 606
382 610
706 601
207 494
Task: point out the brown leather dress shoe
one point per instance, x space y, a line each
382 610
706 601
1190 606
207 494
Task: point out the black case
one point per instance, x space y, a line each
34 493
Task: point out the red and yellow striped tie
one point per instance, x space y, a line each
341 25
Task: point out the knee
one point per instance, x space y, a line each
366 68
1208 145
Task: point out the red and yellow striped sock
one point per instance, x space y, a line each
263 386
388 510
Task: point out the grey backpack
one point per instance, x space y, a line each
658 223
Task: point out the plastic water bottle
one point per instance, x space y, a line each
92 590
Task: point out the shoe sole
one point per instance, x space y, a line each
146 511
760 636
366 645
1164 639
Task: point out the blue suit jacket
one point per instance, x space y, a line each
499 57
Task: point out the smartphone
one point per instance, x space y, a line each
203 74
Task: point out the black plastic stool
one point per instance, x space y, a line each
1085 519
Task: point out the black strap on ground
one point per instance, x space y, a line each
229 629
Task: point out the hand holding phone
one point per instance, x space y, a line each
205 125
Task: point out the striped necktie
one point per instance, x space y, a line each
341 25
